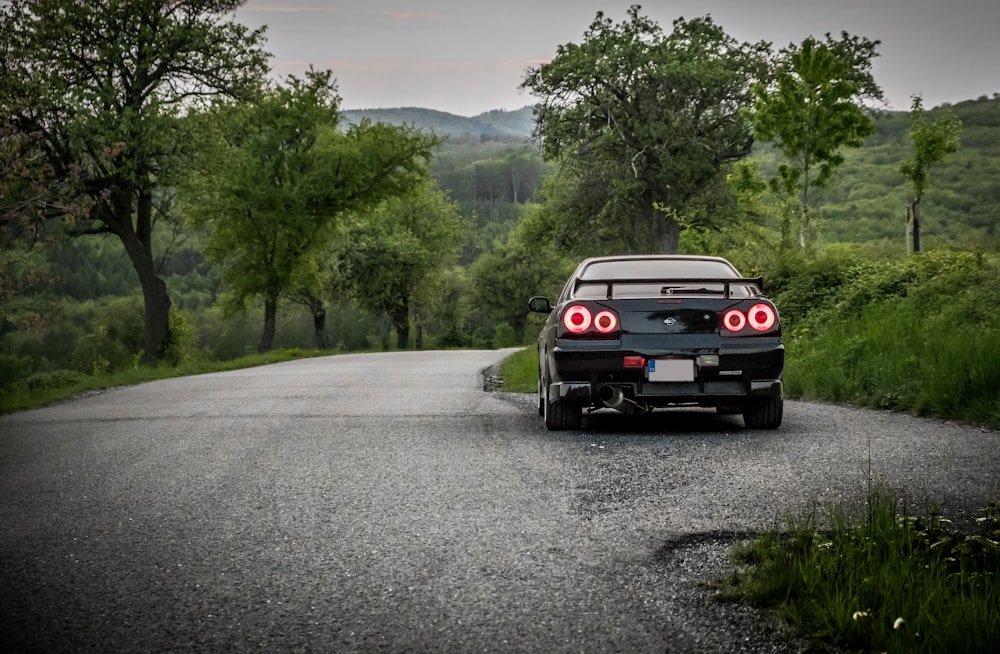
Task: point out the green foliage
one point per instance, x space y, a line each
880 581
93 92
52 380
932 141
116 341
639 118
395 254
489 175
14 368
504 336
273 184
917 334
516 269
519 372
868 201
813 108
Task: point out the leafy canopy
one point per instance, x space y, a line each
813 107
396 252
638 118
90 99
272 185
932 141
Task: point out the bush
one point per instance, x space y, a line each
879 581
920 334
13 369
504 336
117 340
41 381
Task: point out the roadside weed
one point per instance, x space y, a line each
880 581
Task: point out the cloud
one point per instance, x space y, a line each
409 15
283 8
417 66
253 8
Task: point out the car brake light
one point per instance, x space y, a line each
634 362
734 320
577 319
606 322
761 317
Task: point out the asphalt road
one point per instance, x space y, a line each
388 502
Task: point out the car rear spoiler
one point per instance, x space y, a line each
686 282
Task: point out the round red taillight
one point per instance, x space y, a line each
734 320
606 322
577 319
762 317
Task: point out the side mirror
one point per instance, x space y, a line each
540 304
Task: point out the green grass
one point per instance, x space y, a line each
519 371
895 356
42 389
880 581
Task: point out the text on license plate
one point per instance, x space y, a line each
671 370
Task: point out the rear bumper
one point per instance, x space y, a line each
746 368
664 394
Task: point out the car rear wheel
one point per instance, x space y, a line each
541 397
763 413
560 414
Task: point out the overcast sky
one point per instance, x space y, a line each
469 56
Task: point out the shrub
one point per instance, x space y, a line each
41 381
14 368
504 336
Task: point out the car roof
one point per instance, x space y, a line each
653 257
626 258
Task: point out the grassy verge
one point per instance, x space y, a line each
42 389
519 372
880 581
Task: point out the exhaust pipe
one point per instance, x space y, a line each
612 396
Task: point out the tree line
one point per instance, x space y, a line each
148 122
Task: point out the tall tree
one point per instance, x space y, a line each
640 119
94 90
514 269
394 252
932 141
814 108
272 185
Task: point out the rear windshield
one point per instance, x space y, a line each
672 272
658 269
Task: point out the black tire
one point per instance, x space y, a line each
541 398
560 414
763 413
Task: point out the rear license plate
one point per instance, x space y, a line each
671 370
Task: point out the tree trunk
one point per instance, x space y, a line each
382 325
319 322
270 318
418 338
916 227
401 322
138 246
666 232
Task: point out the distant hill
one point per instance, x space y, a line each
867 199
497 123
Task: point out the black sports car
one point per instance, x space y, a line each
634 333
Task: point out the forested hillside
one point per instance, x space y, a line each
867 199
486 126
